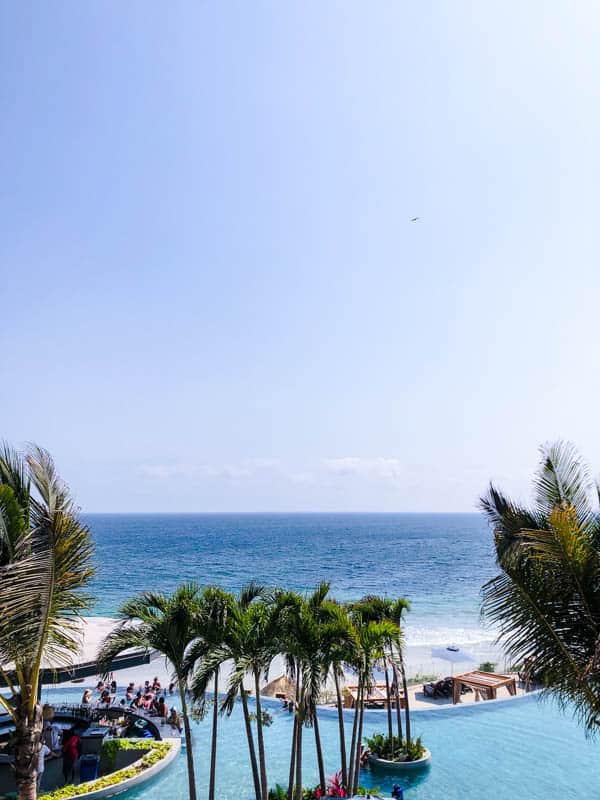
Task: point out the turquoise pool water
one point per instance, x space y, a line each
519 750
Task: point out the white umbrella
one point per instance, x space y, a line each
452 653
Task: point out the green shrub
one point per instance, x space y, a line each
415 751
394 749
487 666
416 679
374 791
278 793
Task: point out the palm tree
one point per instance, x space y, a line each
382 609
249 642
546 599
371 637
300 620
45 562
396 644
165 624
339 646
216 608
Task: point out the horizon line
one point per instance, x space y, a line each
167 513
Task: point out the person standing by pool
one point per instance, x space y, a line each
71 751
44 753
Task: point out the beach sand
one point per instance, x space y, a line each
418 660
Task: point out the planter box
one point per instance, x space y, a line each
400 766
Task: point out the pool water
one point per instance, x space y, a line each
524 749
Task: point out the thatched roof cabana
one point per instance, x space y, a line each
280 686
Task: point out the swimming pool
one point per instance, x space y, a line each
522 750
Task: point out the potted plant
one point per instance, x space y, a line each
395 754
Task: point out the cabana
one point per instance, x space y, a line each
281 688
484 684
376 696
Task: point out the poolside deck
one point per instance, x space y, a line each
419 701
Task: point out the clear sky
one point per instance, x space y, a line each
213 297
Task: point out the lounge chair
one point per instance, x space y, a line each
435 690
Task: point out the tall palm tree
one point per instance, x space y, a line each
211 627
371 638
339 647
165 624
546 599
300 628
375 608
395 612
45 562
249 643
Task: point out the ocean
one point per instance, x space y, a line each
438 561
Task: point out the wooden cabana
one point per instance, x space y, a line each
282 688
376 696
484 684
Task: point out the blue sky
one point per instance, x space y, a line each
213 297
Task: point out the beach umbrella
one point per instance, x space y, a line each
452 653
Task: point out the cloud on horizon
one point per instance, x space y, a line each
379 468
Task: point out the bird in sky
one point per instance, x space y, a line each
415 219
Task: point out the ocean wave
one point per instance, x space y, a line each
422 636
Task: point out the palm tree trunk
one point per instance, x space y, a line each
397 699
294 739
340 711
27 747
353 743
359 740
213 744
406 706
261 743
188 738
299 758
250 737
290 792
319 754
388 695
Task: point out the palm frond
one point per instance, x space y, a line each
563 478
125 636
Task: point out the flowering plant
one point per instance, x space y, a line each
335 787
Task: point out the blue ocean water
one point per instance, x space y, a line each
438 561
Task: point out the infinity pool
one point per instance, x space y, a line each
520 750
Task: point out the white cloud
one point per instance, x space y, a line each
164 471
305 478
235 471
380 467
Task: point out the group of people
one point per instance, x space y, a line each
58 743
147 698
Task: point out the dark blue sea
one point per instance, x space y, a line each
438 561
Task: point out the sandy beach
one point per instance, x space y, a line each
418 660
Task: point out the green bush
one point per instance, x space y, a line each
374 791
156 752
394 749
111 747
487 666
